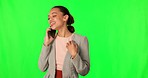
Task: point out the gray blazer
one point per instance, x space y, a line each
72 67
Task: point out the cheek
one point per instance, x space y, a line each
59 21
58 24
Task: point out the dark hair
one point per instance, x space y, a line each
70 21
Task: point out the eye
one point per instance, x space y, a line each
48 18
54 15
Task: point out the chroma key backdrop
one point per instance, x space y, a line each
117 31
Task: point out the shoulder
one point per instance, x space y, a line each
79 38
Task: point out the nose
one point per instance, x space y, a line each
49 21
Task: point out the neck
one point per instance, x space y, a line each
64 32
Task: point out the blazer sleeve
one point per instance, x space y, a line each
81 61
43 59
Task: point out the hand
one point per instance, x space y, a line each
72 48
47 39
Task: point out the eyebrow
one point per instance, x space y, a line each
53 13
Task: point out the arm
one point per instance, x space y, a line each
43 59
81 61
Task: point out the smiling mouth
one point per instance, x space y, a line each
52 23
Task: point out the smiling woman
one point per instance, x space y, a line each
67 54
117 31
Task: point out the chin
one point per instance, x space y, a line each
53 28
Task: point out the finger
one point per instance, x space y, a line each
70 42
48 29
73 42
67 43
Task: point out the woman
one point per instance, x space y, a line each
67 54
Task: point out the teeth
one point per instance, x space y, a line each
52 23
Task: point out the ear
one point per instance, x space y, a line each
65 18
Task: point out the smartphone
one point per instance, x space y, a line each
51 33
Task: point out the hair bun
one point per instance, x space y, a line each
71 29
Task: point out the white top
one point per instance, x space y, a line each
61 50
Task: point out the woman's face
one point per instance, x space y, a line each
56 19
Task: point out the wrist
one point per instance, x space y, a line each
46 44
73 56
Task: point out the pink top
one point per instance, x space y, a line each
61 50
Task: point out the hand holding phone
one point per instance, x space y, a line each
51 33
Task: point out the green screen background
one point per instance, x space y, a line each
117 31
